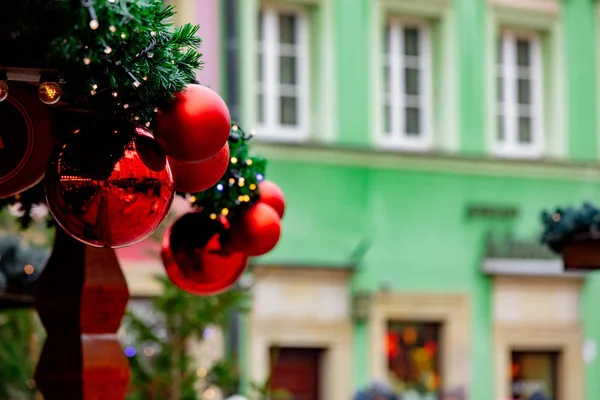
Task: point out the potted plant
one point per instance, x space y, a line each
574 233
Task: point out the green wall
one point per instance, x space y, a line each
415 220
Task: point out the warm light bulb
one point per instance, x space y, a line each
201 372
224 211
252 186
3 90
246 198
234 160
240 198
87 61
249 161
235 128
28 269
213 216
49 92
123 36
94 24
192 199
232 180
112 28
107 50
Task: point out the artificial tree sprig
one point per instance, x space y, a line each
238 188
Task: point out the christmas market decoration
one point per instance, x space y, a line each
109 190
575 234
272 195
196 177
196 261
194 126
26 140
257 231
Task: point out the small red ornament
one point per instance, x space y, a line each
26 140
196 177
194 259
272 195
257 231
109 184
195 126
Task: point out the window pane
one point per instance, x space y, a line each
287 70
413 121
387 79
523 53
500 50
524 91
411 41
260 107
387 39
524 130
387 111
289 110
260 67
287 28
500 132
261 18
500 89
411 81
413 353
534 375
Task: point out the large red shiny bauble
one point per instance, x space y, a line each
108 184
194 126
195 261
26 140
196 177
272 195
257 231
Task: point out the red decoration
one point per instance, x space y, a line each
26 140
257 232
272 195
194 259
108 189
196 177
195 126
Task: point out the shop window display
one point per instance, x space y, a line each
413 355
534 375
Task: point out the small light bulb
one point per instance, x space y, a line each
3 90
202 372
234 160
192 199
224 211
112 1
241 183
87 61
249 161
112 28
115 94
123 36
137 118
213 216
93 92
241 198
28 269
231 180
220 187
155 109
235 128
145 78
246 198
94 24
94 86
107 50
136 84
153 34
150 55
147 124
125 106
49 92
252 186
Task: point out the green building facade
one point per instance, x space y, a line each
408 136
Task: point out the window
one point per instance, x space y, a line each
413 359
282 96
534 375
519 128
407 72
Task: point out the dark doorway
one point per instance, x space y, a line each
297 371
534 375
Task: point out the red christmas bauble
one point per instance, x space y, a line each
257 231
109 184
194 259
194 126
196 177
26 140
272 195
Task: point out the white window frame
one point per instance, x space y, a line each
510 146
395 96
270 88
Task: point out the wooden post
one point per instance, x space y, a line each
81 297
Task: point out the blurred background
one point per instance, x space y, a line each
417 143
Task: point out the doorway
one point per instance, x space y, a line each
296 372
534 375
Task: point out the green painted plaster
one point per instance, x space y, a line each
471 29
580 40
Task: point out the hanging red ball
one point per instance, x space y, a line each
108 184
257 231
26 140
194 126
194 259
196 177
272 195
